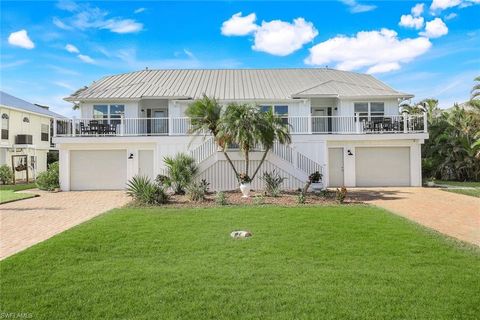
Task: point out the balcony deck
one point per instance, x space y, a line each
180 126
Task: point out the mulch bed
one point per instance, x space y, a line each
234 198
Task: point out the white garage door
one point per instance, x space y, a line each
382 167
98 169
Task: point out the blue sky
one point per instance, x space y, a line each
48 49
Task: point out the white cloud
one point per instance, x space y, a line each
409 21
21 39
67 5
435 29
450 16
379 51
139 10
276 37
87 17
86 58
64 85
282 38
71 48
123 26
238 25
417 10
189 54
59 23
356 7
12 64
439 5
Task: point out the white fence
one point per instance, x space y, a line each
121 126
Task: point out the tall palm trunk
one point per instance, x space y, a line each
261 162
247 159
231 164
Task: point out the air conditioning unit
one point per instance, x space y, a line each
23 139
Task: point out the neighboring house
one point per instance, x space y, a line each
345 124
25 130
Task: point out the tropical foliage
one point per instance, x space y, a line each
6 174
49 180
452 151
240 125
146 192
475 95
273 181
181 171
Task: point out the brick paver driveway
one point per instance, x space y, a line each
27 222
453 214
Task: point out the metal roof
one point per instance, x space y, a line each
235 84
8 100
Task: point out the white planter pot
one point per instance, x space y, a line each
316 186
245 188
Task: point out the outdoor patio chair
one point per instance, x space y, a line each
84 129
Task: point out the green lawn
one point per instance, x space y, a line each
339 262
10 195
18 187
469 192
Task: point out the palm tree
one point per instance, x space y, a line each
275 130
245 126
475 94
205 115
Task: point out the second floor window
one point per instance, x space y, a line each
369 110
44 133
5 124
279 110
111 113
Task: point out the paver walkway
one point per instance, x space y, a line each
27 222
453 214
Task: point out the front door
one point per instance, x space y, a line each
335 167
319 120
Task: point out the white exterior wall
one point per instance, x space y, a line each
131 108
349 160
16 126
346 106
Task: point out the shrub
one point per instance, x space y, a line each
205 185
341 194
6 174
221 198
259 199
301 198
162 180
181 171
49 180
146 192
273 180
315 177
196 191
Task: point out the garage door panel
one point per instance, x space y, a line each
98 169
382 166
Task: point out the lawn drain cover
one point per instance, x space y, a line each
240 234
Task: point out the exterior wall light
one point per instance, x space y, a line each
349 152
130 156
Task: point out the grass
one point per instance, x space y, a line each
339 262
468 192
472 184
18 187
468 184
10 195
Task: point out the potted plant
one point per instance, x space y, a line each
431 182
245 184
316 181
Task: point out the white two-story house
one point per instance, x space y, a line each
344 124
25 137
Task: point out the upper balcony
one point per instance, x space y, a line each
171 126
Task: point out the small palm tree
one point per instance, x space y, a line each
475 94
205 115
181 171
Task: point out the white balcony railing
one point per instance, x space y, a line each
298 125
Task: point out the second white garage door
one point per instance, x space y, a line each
98 169
382 167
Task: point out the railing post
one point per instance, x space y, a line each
425 122
357 123
405 123
54 127
74 126
122 125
